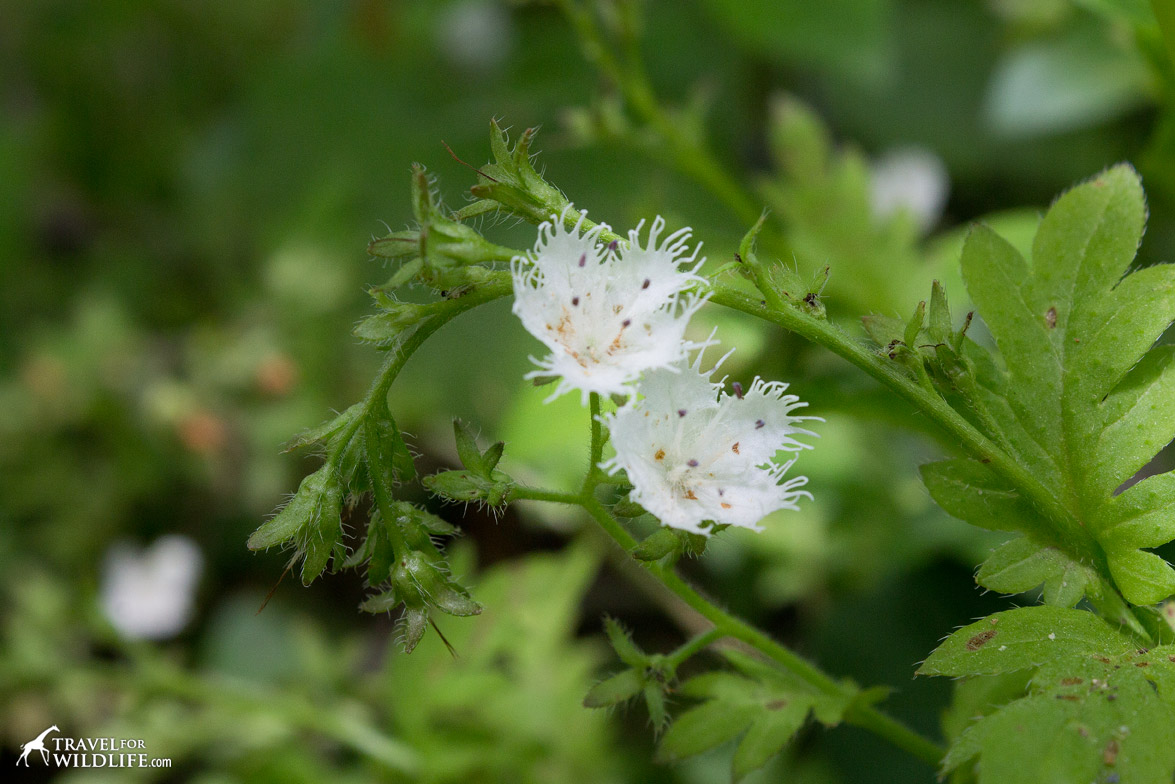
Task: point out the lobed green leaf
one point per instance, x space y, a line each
1023 638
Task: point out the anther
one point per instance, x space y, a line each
575 300
626 323
759 423
681 412
738 390
645 285
692 463
612 245
583 260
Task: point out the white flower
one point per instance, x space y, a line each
909 179
607 313
694 455
148 594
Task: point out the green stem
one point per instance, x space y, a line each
693 646
592 478
728 625
632 80
519 493
496 287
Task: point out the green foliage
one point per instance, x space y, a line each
1019 565
762 704
650 675
1083 402
1079 77
850 37
821 195
1097 709
442 252
480 481
507 707
777 277
511 181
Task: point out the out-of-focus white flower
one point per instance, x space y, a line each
476 35
910 179
607 313
148 594
694 453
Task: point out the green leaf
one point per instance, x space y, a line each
1089 717
388 460
325 431
655 702
412 626
465 486
967 489
981 696
821 197
706 726
622 643
386 327
511 181
657 545
1022 564
768 734
767 704
1088 402
1023 638
619 688
312 520
467 451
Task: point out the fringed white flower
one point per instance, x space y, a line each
694 453
607 313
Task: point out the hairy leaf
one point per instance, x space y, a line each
1021 639
311 520
1086 401
1091 716
1022 564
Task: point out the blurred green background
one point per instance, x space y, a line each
188 191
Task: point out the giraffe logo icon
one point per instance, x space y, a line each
36 744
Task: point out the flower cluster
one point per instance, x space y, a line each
614 318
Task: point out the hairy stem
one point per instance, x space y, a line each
728 625
693 646
497 287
